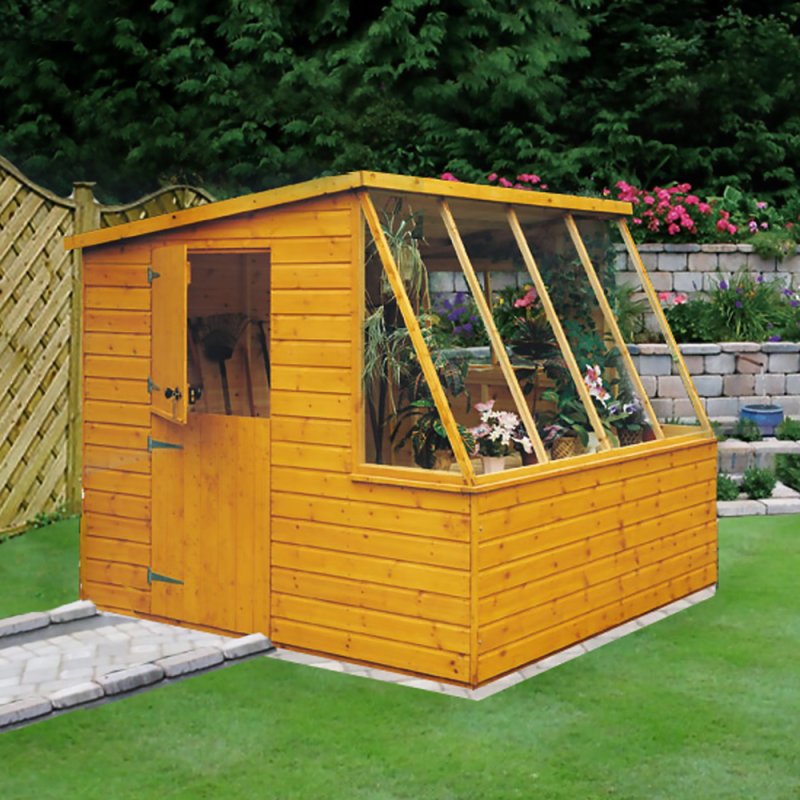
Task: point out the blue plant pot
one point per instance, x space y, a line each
767 417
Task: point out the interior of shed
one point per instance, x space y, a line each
228 333
558 355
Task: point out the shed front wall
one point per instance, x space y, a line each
565 557
373 573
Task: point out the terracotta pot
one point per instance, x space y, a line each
493 464
442 459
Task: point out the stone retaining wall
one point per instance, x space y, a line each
692 268
727 376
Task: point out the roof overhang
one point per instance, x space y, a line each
322 187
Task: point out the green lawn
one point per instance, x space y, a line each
703 705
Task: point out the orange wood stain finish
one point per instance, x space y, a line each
459 583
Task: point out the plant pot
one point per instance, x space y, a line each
627 438
529 458
648 434
442 460
493 464
767 417
566 447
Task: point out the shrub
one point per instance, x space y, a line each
758 483
727 488
788 430
787 468
747 431
690 320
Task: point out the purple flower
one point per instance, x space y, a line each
723 285
760 279
739 304
454 315
788 292
739 290
774 338
467 327
795 303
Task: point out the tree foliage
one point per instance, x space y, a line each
246 94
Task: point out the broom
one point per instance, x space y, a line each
220 333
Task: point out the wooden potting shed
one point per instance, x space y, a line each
242 473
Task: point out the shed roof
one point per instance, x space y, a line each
341 183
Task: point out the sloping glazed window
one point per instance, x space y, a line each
490 338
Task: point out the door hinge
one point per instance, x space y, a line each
154 576
155 444
151 387
152 274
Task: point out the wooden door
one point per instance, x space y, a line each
170 281
210 546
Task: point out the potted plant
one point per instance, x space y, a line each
496 435
428 438
629 419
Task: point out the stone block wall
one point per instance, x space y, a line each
692 268
727 376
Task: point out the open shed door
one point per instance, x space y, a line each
170 280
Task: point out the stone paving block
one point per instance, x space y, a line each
11 669
22 623
740 347
192 661
76 695
782 505
80 609
25 709
113 648
698 349
126 680
246 645
784 362
740 508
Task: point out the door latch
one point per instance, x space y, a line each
173 394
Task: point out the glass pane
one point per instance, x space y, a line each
567 423
403 426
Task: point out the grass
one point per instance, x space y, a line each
39 570
703 705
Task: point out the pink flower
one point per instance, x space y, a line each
528 299
683 187
761 205
505 182
680 299
722 225
606 192
673 229
448 176
544 186
664 297
492 177
692 200
753 226
704 208
649 199
481 408
637 220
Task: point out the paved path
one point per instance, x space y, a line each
47 664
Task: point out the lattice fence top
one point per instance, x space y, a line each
37 277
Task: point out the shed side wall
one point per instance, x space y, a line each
564 558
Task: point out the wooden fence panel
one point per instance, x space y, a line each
40 336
